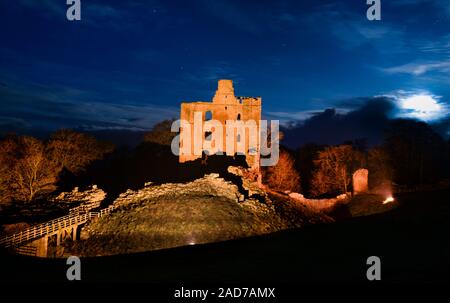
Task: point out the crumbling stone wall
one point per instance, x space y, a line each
88 199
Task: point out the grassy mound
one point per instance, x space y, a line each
169 215
170 222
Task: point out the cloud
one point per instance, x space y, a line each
362 118
420 68
27 111
104 11
442 6
331 127
293 116
292 119
50 8
93 13
286 17
212 73
419 104
106 16
439 46
341 107
248 16
233 15
355 33
11 123
351 29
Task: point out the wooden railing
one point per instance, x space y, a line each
43 229
27 250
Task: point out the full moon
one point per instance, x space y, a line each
424 107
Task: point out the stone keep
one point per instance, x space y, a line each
360 181
225 106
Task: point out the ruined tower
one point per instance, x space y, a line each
226 107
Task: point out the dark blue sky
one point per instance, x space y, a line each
129 64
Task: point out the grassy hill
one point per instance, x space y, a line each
170 215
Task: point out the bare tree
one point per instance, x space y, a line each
333 169
283 176
74 151
28 167
33 172
8 148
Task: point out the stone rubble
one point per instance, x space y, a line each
209 185
89 199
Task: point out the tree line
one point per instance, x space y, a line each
30 168
411 154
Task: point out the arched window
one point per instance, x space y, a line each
208 115
239 117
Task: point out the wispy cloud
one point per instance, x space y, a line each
212 73
231 14
351 28
442 6
439 46
420 68
93 14
50 8
292 116
37 111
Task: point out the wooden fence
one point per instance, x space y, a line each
75 218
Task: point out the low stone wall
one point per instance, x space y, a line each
320 204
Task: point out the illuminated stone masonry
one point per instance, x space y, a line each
225 107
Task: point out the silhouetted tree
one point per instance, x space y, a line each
160 133
304 160
380 170
75 151
417 154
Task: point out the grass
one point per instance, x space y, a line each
175 221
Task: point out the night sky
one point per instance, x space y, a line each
129 64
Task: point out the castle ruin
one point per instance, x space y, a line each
225 108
